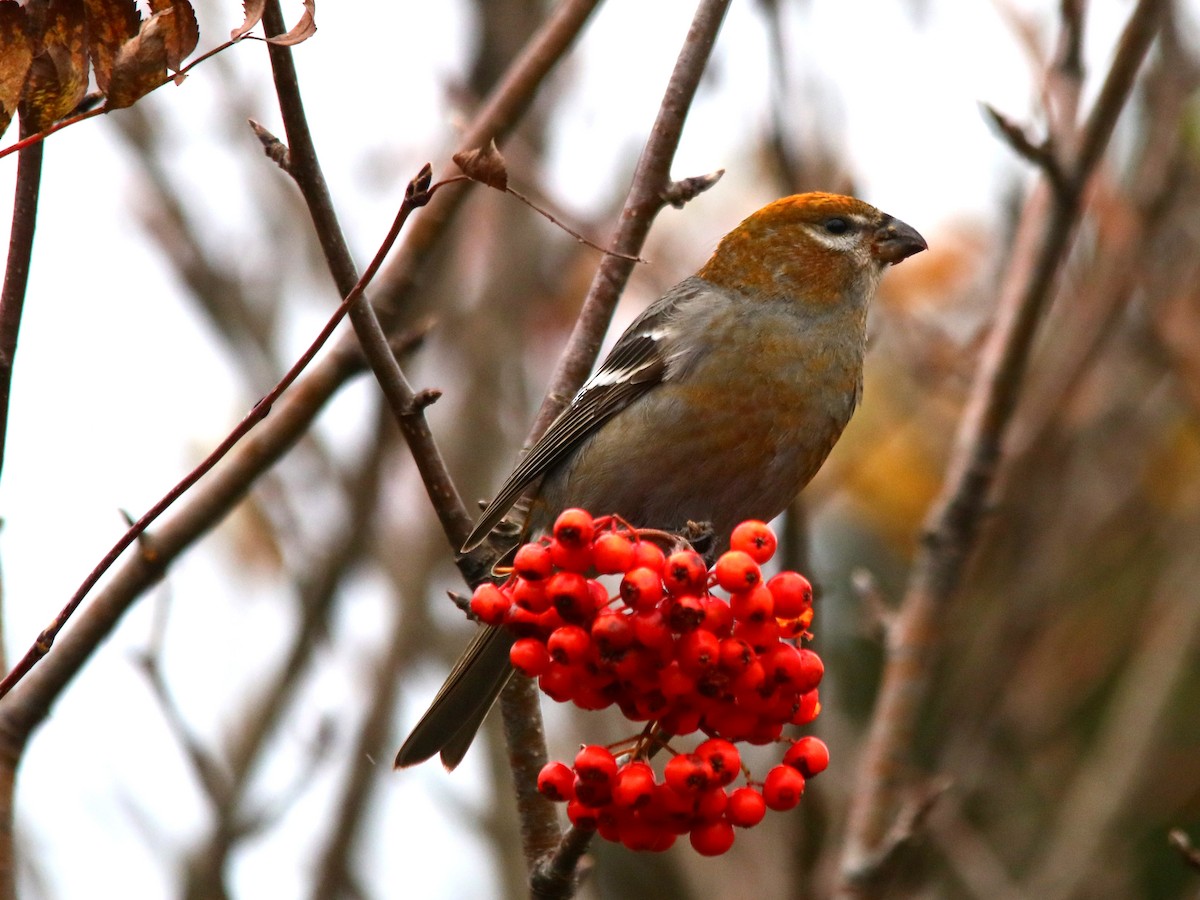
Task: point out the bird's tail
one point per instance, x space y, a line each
450 723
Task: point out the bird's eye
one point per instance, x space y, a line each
837 226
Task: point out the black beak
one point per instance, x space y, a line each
896 241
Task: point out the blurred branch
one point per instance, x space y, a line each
419 189
1108 780
650 192
1179 839
952 527
262 714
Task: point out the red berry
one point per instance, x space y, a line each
688 773
809 756
574 528
736 656
612 552
640 836
782 788
569 645
634 786
712 838
737 571
529 655
582 816
490 604
648 555
807 709
595 763
532 562
571 595
612 632
530 595
569 558
724 759
595 793
698 652
711 803
760 635
641 588
754 538
650 631
556 782
753 605
746 808
685 612
681 720
684 572
718 616
558 682
792 593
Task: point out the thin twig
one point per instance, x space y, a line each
952 527
417 195
647 195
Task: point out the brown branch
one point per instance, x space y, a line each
1108 781
305 169
952 527
29 702
556 875
291 416
1179 840
647 196
417 195
16 274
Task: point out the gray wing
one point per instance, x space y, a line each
636 363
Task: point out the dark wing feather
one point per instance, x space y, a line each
636 363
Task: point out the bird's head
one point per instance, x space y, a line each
816 247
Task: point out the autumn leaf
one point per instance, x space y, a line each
484 165
58 75
302 30
16 53
110 23
142 62
182 32
254 12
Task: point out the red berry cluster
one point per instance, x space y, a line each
666 651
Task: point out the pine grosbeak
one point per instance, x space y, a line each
717 404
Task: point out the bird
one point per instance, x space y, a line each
717 404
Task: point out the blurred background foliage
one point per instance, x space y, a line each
1065 719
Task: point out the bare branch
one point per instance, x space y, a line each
519 702
1044 238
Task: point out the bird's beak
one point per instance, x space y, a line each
896 241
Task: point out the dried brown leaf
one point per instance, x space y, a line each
302 30
182 32
485 165
142 63
58 74
254 12
110 23
16 53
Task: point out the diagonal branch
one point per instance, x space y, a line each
651 190
1050 218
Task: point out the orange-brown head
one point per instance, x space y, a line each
814 247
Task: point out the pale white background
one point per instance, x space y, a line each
119 386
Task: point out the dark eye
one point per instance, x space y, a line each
837 226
